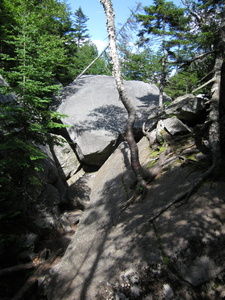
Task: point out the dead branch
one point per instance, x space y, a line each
82 73
205 84
203 78
188 62
119 32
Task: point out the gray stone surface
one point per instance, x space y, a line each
48 207
115 250
174 126
79 190
187 107
66 160
194 237
166 129
97 116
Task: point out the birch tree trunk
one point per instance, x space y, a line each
138 170
214 129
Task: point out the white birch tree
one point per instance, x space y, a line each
141 174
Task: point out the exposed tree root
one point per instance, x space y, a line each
142 188
20 267
42 268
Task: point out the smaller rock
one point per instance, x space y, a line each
187 107
66 160
135 290
167 292
174 125
73 217
168 128
65 223
30 239
79 191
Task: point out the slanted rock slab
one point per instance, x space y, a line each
143 250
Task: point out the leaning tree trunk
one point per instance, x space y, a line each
109 12
163 73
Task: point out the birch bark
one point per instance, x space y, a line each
138 170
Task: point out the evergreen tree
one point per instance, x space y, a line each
81 31
205 49
163 19
30 69
143 65
86 54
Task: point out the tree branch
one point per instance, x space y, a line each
188 62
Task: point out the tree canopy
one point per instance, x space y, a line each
38 53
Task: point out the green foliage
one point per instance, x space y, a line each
181 35
144 66
162 18
181 83
30 65
165 21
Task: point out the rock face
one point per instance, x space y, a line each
65 158
48 196
165 130
149 249
59 165
97 116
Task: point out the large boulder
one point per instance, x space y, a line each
96 115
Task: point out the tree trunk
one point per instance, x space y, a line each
109 12
163 73
214 129
222 43
217 96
